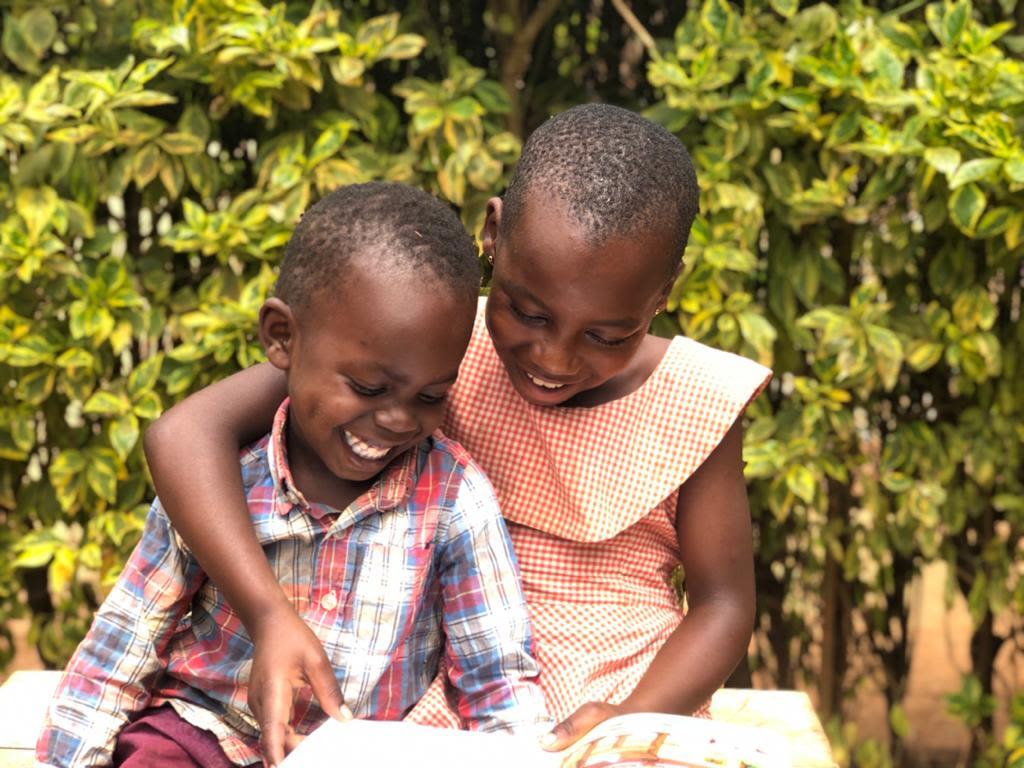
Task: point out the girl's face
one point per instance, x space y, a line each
568 320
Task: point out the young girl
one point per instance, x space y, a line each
615 454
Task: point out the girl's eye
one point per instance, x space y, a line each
608 342
365 391
433 399
531 319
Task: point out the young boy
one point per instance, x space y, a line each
382 533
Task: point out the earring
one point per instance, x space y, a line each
490 258
658 311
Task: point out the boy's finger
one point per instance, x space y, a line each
292 740
274 716
325 689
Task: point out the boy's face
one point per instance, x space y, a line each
369 366
568 318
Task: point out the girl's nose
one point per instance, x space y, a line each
556 360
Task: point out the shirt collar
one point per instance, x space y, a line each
392 487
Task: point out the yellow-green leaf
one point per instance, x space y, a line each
800 481
104 403
101 473
144 377
35 386
924 354
39 28
943 159
76 357
68 465
718 19
123 433
1014 169
29 351
403 47
966 205
180 143
37 206
379 29
146 165
148 406
785 8
975 170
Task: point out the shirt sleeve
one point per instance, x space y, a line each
488 647
114 669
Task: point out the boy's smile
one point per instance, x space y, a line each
369 364
568 319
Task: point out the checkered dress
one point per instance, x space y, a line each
590 498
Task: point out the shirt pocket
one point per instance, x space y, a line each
387 596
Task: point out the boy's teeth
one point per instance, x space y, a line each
542 383
363 449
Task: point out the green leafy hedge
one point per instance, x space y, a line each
160 155
862 232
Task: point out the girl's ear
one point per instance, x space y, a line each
489 237
277 332
667 290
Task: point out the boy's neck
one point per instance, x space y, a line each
316 483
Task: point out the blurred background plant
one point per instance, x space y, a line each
862 232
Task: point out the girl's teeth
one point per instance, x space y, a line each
542 383
363 449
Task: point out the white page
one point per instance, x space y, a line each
383 744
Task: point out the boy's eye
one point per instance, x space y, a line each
533 319
608 342
365 390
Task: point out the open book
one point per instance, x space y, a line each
627 741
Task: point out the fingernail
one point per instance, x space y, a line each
548 739
346 713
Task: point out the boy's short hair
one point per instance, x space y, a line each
402 228
618 174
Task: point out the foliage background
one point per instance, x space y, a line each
862 232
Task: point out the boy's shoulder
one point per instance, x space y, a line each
254 462
444 454
448 447
448 463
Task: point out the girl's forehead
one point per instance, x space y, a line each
548 236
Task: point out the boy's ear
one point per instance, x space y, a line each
492 224
277 332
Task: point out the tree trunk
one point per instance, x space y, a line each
515 33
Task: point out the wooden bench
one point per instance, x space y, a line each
24 697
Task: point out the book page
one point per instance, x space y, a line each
655 740
628 741
383 744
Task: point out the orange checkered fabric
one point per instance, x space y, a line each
590 497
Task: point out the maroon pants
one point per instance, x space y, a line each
159 737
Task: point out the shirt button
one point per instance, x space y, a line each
329 601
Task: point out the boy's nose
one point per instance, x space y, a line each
400 422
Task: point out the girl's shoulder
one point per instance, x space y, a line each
690 369
588 473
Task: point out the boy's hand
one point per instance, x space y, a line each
578 724
287 658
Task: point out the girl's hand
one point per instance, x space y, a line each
578 724
287 658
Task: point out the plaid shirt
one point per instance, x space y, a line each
417 566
